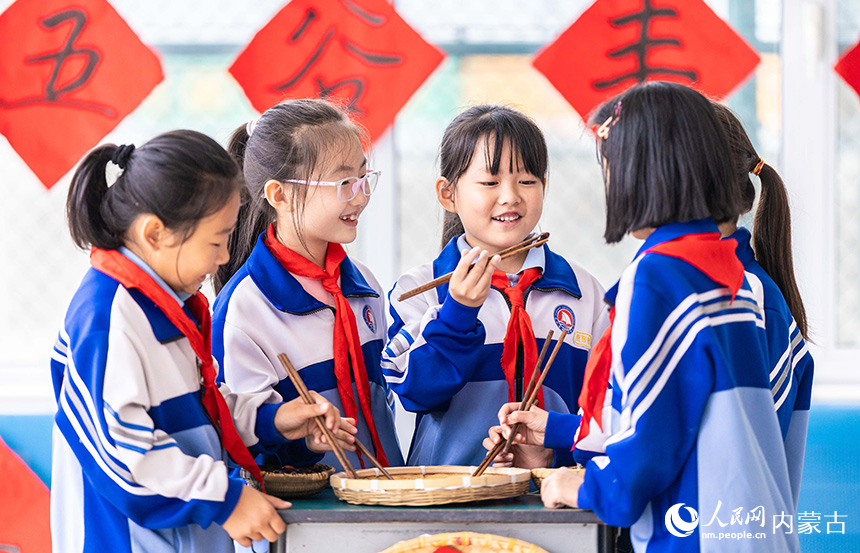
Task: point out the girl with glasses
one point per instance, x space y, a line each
290 287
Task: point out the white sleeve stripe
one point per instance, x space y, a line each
58 357
630 418
649 365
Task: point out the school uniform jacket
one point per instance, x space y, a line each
137 464
697 428
443 359
791 364
263 311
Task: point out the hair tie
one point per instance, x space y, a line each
250 127
122 154
757 169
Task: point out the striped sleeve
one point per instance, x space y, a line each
102 412
432 350
662 378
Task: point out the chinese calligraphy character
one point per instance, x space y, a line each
60 96
641 47
841 529
716 511
737 516
784 520
807 522
755 515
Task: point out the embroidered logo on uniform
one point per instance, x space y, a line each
369 319
564 318
582 339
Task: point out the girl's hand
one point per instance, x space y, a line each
470 284
532 423
561 489
521 455
344 434
254 518
294 419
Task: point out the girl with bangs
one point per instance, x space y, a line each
457 352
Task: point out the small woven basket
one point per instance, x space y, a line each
304 482
539 475
434 485
464 542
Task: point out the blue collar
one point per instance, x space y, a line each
286 293
744 250
180 297
671 231
667 233
557 273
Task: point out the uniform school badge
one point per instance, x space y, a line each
369 319
564 318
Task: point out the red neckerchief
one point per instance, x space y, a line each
122 269
347 345
519 330
706 252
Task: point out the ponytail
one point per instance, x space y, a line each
772 242
85 200
181 177
255 214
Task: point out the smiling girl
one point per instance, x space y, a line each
290 287
458 352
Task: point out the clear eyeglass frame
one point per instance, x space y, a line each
347 189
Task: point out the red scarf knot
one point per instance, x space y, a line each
519 330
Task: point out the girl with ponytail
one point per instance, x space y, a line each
141 426
290 287
766 255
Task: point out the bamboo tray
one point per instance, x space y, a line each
433 485
301 482
539 475
464 542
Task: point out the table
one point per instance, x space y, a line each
323 523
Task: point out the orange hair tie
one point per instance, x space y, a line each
757 169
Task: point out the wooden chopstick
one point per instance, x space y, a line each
529 389
320 419
527 404
366 452
528 243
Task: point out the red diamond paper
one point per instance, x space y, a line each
848 67
70 71
605 51
357 52
24 507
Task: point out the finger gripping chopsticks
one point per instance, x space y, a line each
320 420
530 242
531 396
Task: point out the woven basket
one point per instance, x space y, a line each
464 542
304 482
435 485
539 475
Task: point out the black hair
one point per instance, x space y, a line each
496 124
663 160
181 177
290 141
772 224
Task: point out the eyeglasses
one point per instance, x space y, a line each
347 188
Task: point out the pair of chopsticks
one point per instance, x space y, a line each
320 420
532 241
530 395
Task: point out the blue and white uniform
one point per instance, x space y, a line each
697 425
137 465
264 311
791 365
443 359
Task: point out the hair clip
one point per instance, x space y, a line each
603 130
250 126
757 169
